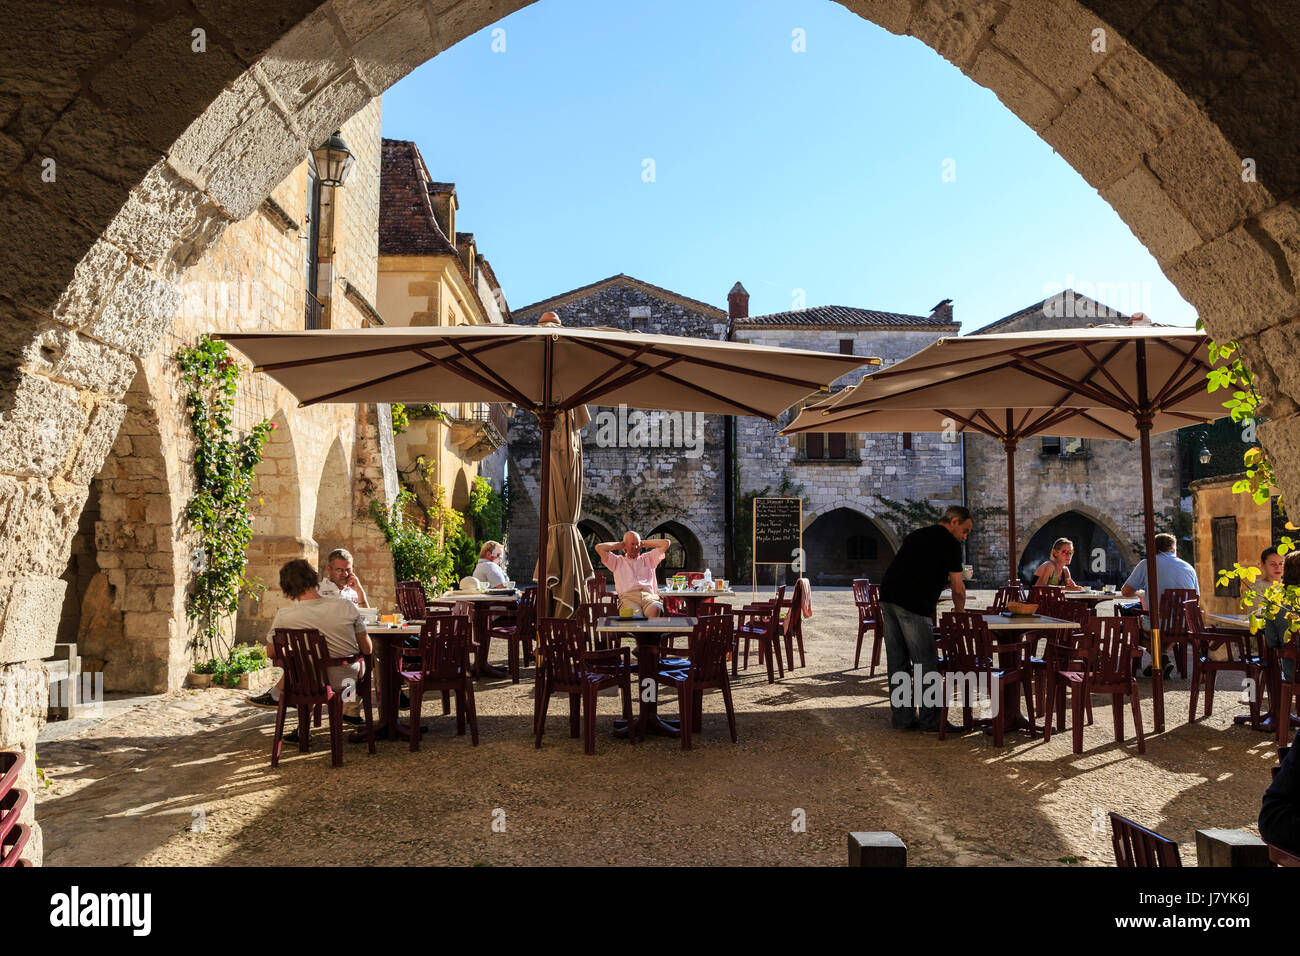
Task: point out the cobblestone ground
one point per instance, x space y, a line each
816 747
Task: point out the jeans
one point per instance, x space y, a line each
909 642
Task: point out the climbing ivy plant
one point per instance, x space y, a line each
223 477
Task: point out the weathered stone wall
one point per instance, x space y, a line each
931 471
626 486
1103 483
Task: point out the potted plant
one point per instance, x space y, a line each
238 670
201 676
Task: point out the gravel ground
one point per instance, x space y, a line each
185 779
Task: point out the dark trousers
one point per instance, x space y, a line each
909 641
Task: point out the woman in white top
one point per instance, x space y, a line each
489 564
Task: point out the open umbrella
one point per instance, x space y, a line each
1124 379
547 370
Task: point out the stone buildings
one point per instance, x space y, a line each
853 485
431 274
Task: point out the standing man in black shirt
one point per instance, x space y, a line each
928 561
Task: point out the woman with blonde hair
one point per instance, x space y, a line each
1055 572
489 567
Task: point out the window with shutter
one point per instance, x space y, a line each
1223 544
815 447
836 445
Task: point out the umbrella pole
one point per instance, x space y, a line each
1144 419
1013 576
546 422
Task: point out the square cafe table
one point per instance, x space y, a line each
484 604
1020 625
1241 622
647 632
388 640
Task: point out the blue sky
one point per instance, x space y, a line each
821 171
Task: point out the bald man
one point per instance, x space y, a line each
634 571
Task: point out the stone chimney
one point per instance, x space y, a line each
942 313
738 302
443 198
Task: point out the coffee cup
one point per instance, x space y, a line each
625 612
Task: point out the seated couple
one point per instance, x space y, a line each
333 613
634 571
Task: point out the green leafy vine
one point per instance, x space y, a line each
223 479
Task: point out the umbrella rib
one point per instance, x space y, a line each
1186 393
1098 422
465 373
342 357
1011 350
1189 375
1187 357
591 387
853 361
1051 376
968 422
997 430
1101 367
1052 416
702 390
356 388
516 396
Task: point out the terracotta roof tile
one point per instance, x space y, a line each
407 226
839 316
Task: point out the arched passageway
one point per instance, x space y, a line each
844 544
594 533
684 552
1098 557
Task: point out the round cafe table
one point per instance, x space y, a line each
1017 627
388 641
647 632
481 607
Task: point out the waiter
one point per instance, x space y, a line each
928 561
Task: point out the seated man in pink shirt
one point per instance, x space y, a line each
634 571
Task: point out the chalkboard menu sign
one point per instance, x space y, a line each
778 530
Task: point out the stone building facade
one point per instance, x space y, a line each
132 554
660 481
431 274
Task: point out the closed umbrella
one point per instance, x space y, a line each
546 369
569 565
1132 379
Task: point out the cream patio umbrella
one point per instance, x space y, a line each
570 564
547 370
1129 380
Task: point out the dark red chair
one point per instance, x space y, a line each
414 604
568 668
1080 613
1174 636
868 622
1286 689
444 666
304 657
13 835
1243 659
760 623
705 668
589 616
520 635
1048 598
1282 857
1103 660
969 651
1136 846
1009 592
792 624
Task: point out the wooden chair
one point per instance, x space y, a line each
14 836
1173 625
1205 670
304 657
969 650
1136 846
1009 592
1286 692
567 668
761 623
444 666
868 621
792 624
520 634
705 668
1103 660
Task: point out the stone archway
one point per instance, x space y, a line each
594 533
1115 532
842 544
121 600
685 554
129 151
332 526
1100 555
277 532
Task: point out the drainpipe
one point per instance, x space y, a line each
728 481
964 503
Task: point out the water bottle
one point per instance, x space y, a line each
708 580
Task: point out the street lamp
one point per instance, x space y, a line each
333 161
1205 455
